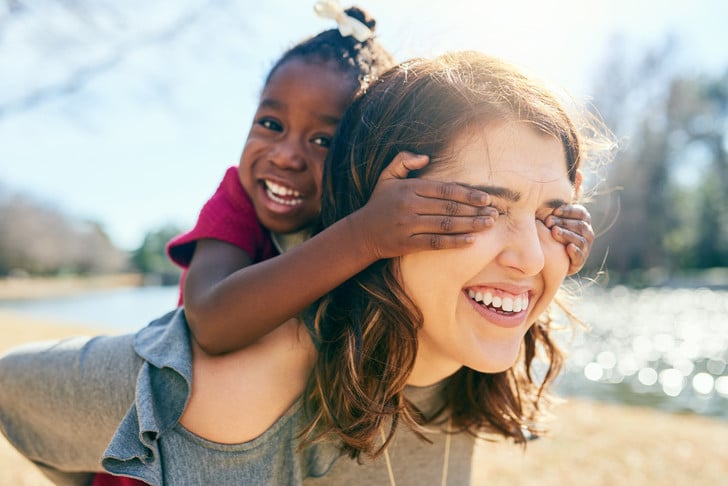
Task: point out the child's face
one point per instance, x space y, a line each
282 161
478 302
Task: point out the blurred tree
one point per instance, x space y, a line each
629 94
672 174
39 240
150 257
89 38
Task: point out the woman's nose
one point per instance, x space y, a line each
523 251
288 155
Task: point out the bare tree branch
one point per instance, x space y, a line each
82 76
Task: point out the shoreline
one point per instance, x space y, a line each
590 444
26 288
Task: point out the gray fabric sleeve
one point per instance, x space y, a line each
61 401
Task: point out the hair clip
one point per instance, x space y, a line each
348 25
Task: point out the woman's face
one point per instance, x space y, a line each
478 302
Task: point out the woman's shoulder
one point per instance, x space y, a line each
236 397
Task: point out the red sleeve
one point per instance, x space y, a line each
227 216
106 479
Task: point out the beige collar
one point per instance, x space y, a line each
285 241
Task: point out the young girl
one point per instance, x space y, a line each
437 344
444 343
234 291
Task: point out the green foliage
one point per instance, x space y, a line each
150 257
711 246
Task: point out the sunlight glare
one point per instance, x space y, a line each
703 383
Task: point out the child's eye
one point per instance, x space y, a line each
322 141
270 124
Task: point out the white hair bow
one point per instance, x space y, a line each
348 26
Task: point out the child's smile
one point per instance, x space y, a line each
281 194
281 198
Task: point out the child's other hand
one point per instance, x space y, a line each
570 224
408 215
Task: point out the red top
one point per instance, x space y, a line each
228 216
106 479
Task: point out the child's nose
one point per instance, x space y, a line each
288 155
523 251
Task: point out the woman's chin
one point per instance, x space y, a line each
495 364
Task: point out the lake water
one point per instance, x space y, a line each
126 309
664 348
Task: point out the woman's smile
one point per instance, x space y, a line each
501 308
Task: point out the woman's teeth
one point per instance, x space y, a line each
505 304
282 194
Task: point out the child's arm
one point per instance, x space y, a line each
570 224
230 303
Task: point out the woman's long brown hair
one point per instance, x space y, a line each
366 329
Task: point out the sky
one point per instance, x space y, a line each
143 139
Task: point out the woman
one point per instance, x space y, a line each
466 323
436 346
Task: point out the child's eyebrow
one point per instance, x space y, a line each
271 103
274 104
329 119
511 195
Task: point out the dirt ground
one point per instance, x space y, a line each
591 443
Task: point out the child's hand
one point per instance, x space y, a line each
408 215
570 224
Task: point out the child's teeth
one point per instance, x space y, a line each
497 301
487 298
280 190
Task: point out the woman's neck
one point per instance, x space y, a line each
427 371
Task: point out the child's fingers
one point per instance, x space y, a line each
565 236
577 258
577 246
424 206
573 211
450 191
402 164
450 225
576 231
